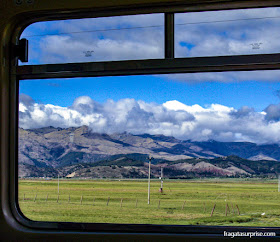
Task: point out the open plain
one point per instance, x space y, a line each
236 202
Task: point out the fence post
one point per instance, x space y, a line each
136 202
35 197
183 205
108 201
213 209
237 209
226 210
204 210
81 200
121 202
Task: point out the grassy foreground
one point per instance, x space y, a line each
182 202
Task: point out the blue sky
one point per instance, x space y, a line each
157 89
229 106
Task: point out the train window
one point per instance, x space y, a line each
236 32
136 123
96 39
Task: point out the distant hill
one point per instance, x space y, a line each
84 153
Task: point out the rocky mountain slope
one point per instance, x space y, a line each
84 153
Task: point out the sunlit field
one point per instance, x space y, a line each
232 202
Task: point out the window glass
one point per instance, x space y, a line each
212 139
230 32
96 39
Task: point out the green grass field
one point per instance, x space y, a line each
183 202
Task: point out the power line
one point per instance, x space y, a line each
229 20
152 26
98 30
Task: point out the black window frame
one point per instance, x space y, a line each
116 68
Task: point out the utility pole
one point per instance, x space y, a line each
149 178
58 184
161 180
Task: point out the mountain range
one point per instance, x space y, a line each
80 152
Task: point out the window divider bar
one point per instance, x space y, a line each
156 66
169 35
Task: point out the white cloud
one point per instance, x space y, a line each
171 118
59 49
226 77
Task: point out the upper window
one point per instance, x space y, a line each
96 39
235 32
